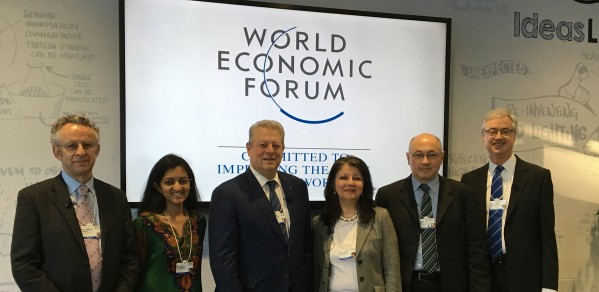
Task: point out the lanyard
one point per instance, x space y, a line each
175 235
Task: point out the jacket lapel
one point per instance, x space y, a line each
103 213
258 196
444 199
406 197
363 232
479 183
328 238
518 183
291 207
60 199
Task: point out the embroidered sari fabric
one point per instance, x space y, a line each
159 254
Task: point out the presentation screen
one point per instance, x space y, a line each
198 74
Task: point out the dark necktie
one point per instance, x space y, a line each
494 226
429 243
85 213
276 205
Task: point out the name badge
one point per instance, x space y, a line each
281 219
497 204
184 267
346 252
90 231
427 223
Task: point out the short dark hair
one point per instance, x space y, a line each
365 205
153 200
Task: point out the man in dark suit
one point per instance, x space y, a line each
260 234
526 255
456 258
54 248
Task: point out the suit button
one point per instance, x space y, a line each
361 279
359 262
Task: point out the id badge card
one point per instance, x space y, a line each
427 223
184 267
346 252
497 204
281 219
90 231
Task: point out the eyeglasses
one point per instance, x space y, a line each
72 147
494 131
419 156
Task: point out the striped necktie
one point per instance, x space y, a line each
276 205
429 243
495 215
85 214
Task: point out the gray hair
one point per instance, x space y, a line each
500 113
269 124
72 119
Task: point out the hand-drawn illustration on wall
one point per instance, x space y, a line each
56 57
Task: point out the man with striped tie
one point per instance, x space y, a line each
259 227
74 232
521 242
438 225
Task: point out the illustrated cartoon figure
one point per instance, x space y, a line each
572 89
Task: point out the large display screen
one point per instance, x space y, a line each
199 74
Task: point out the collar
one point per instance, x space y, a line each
262 180
433 183
73 184
509 165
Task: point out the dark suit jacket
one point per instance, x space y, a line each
529 233
377 256
461 242
48 252
247 248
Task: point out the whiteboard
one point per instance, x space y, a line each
56 57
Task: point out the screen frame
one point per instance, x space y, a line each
313 204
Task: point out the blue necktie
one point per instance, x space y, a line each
429 243
494 226
276 205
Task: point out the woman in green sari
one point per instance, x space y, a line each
169 229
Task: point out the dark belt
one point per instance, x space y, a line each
500 259
427 277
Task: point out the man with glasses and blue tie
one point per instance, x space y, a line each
74 232
438 225
521 242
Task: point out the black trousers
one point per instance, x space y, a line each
499 278
423 282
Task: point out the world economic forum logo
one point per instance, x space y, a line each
308 75
285 112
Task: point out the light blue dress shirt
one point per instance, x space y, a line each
434 194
